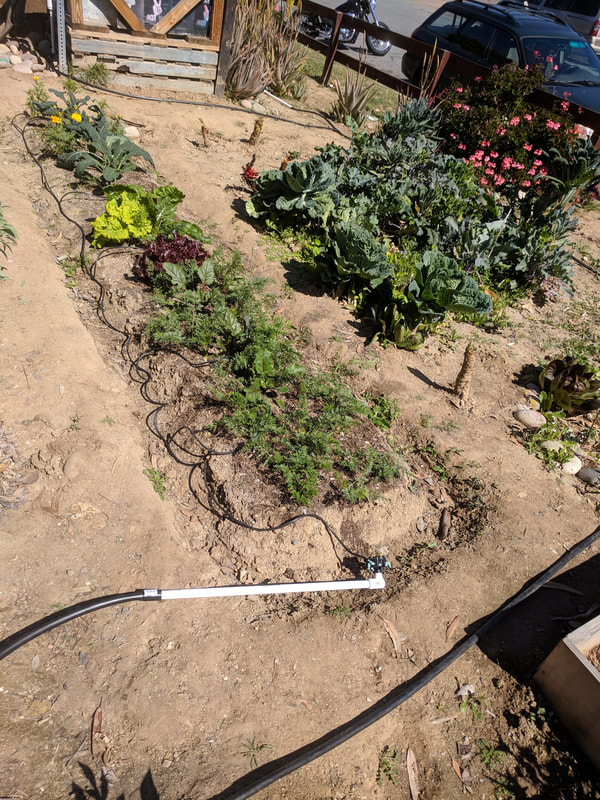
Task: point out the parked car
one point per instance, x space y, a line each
494 35
582 15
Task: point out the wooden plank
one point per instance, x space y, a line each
76 8
127 15
216 20
175 85
225 45
176 14
572 684
107 35
170 70
145 51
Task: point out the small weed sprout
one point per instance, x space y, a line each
389 760
108 421
36 94
477 706
158 480
253 750
341 612
490 756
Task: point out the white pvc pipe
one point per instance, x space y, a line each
378 582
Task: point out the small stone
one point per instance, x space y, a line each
589 475
131 131
246 103
421 524
14 60
37 67
529 417
258 108
4 48
24 69
572 466
14 48
30 57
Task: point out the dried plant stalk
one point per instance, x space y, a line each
463 380
257 132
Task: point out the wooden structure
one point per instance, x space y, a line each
572 684
155 44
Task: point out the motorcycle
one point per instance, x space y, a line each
316 26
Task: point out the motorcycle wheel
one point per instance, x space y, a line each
348 35
379 47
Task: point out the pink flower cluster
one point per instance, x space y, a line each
496 174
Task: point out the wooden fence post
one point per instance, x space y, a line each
225 47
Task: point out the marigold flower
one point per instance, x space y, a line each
55 119
76 117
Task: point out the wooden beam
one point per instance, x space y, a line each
175 15
225 49
76 8
127 15
130 49
216 20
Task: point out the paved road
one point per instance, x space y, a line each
401 16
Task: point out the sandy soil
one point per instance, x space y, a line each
182 699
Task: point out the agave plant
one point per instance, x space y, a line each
352 98
570 385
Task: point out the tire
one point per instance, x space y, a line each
379 47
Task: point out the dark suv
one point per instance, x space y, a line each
582 15
494 35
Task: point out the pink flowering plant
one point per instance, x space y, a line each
502 134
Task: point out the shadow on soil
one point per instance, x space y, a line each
101 790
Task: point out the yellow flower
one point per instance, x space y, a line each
36 77
75 116
55 119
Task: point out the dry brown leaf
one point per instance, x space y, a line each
413 773
451 629
97 719
394 635
459 772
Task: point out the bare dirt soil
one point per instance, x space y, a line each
182 699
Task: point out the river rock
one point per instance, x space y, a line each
25 69
14 48
529 417
589 475
37 67
4 48
572 466
131 131
14 60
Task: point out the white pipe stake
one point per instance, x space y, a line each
378 582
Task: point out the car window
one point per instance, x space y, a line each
587 8
445 24
502 49
473 36
562 60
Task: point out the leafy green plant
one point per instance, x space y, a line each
36 94
340 611
389 763
304 189
475 704
135 214
305 426
97 74
352 98
570 386
158 480
491 757
8 238
107 155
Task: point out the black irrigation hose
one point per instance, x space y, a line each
262 778
16 640
329 126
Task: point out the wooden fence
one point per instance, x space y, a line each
446 62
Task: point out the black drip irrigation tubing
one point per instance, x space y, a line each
329 127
